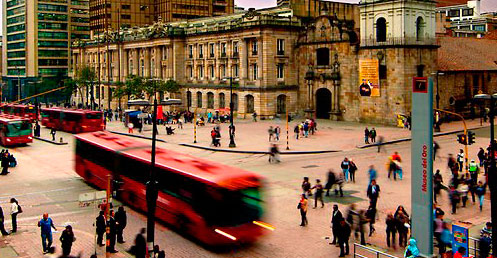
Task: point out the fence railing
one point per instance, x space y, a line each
368 252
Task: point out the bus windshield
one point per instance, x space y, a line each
94 116
231 208
18 128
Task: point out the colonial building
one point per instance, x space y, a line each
343 61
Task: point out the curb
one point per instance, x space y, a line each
136 136
408 139
256 152
52 142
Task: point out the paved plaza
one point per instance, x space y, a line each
45 181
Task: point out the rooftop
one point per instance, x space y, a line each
467 54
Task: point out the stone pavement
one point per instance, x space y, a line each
45 181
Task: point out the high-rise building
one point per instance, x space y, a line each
37 40
130 13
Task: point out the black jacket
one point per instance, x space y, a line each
375 194
112 225
121 218
344 232
336 218
100 224
140 246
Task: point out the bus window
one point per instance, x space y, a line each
94 116
96 155
45 114
18 128
72 117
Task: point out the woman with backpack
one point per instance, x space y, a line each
14 210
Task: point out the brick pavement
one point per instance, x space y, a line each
48 167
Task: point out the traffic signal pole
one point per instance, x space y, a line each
465 133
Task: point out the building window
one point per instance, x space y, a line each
234 98
281 104
126 16
454 13
188 98
190 51
419 28
223 49
235 71
280 47
211 72
211 50
280 71
189 71
130 71
200 72
142 67
479 27
254 47
152 68
210 100
467 12
235 49
200 51
476 83
222 101
199 99
249 100
164 53
125 6
381 30
323 56
254 72
222 71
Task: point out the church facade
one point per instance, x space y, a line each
346 62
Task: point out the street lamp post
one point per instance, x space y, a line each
232 136
152 185
492 186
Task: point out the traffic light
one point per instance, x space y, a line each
471 137
461 138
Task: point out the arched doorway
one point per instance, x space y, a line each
323 103
249 99
281 104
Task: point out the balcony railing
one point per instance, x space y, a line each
400 41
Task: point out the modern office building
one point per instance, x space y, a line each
131 13
37 39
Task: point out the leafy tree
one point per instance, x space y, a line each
85 77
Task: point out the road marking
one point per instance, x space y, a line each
37 217
33 193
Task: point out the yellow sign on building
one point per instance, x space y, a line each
369 78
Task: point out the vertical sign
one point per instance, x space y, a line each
369 78
460 238
422 164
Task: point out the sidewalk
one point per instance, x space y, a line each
252 137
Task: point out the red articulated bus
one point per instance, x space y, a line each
215 203
25 111
15 130
72 120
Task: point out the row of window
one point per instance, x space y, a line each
80 19
16 54
15 2
280 49
76 2
14 28
53 71
16 71
52 8
52 35
17 45
46 43
80 36
249 101
52 26
211 71
15 11
457 12
16 37
79 11
52 17
17 19
79 28
52 62
52 53
16 63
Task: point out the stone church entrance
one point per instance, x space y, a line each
323 103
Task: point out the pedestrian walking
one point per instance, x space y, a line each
2 226
330 182
306 187
437 184
380 143
336 218
371 217
270 132
66 240
4 162
485 240
254 116
372 135
53 132
111 224
306 129
373 193
366 136
302 206
121 221
274 154
352 170
412 250
454 198
130 127
343 238
480 192
481 156
339 184
463 189
140 247
460 159
345 165
15 209
277 131
402 219
318 195
100 228
373 174
391 230
46 225
296 130
37 129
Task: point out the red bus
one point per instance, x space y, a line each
214 203
15 130
72 120
25 111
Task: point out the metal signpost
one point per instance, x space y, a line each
422 164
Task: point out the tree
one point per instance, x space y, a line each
85 77
71 86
